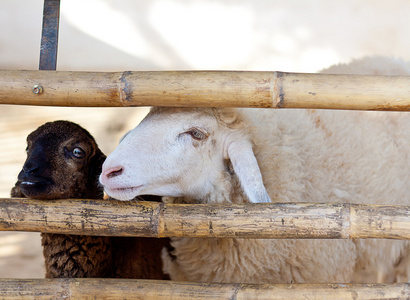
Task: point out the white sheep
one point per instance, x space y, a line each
209 155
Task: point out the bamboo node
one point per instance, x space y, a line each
347 220
160 221
125 88
278 89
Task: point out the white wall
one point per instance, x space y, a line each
289 35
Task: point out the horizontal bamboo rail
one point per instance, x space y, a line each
152 219
71 288
205 89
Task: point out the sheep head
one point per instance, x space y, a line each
63 161
182 152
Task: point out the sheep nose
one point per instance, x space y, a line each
113 172
30 168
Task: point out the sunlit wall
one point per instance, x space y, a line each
289 35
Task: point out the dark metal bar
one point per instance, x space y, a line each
49 37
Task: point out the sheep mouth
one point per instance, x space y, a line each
123 193
32 188
35 181
128 189
32 182
25 179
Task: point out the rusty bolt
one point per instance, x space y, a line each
37 89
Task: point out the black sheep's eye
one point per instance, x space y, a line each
197 134
78 152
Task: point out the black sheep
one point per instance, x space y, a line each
64 161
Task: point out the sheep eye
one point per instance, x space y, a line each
78 152
197 134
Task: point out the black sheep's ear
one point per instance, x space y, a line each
96 163
94 190
16 191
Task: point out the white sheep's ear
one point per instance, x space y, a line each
246 168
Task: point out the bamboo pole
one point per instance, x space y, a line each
205 89
95 288
152 219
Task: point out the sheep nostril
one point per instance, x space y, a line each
29 168
114 172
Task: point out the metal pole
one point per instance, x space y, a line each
49 38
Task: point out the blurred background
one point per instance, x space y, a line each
137 35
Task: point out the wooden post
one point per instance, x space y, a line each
206 89
95 288
153 219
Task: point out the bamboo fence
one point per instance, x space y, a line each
274 220
153 219
205 89
74 288
198 89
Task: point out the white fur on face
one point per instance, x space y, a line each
161 157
